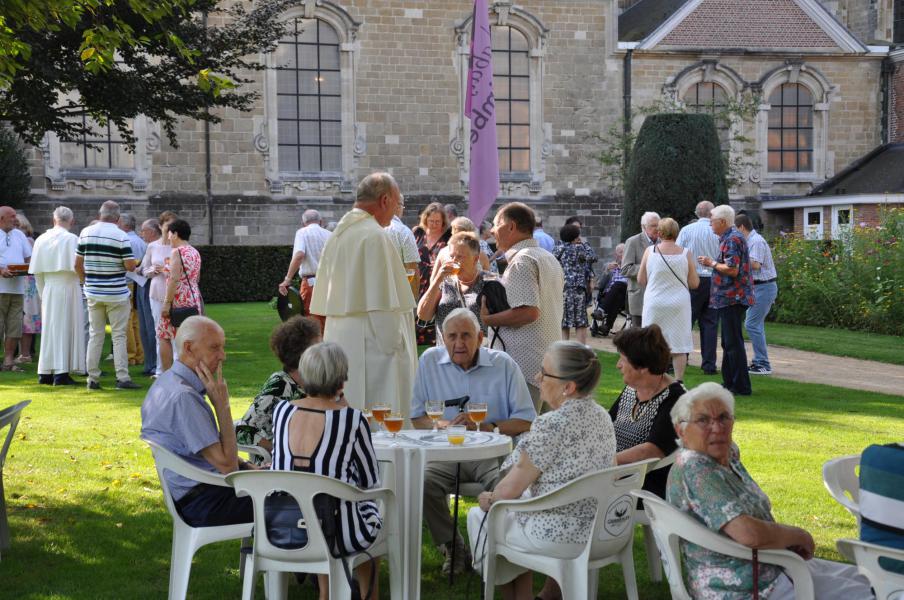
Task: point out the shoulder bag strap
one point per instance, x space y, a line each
191 287
662 256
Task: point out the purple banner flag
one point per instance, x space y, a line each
480 108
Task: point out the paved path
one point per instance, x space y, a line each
809 367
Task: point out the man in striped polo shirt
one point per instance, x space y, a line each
104 255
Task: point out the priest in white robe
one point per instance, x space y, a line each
363 292
62 305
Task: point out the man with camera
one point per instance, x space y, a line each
459 372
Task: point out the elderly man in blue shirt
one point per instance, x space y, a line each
175 415
462 367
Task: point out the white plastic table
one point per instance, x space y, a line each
415 448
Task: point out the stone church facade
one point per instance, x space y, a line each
357 86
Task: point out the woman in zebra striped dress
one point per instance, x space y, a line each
321 434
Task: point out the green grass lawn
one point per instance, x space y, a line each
838 342
88 521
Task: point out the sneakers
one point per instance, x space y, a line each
127 384
462 556
759 370
93 385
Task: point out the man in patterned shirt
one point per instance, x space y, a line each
730 295
533 284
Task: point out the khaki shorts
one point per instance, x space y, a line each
11 316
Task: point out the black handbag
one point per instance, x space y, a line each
285 523
497 301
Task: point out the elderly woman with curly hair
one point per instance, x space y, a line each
709 482
431 235
288 342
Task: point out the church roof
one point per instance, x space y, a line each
879 172
643 18
803 26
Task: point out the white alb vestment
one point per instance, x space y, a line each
364 294
62 306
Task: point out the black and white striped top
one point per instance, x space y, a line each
344 452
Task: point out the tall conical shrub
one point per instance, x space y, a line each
676 162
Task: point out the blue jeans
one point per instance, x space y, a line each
146 326
765 294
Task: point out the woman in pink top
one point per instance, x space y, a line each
152 266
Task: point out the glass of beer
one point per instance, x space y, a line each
456 267
477 412
410 273
379 411
393 423
455 434
435 409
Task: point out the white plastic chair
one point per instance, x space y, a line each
671 525
187 539
887 585
258 451
9 416
611 539
840 478
640 518
314 557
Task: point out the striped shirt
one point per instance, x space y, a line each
760 252
105 248
344 452
701 241
310 239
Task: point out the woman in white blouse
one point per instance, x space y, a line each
574 438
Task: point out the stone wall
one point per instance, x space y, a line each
854 108
407 101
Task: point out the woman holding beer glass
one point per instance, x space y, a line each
456 284
574 438
321 434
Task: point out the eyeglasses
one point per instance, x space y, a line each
544 374
707 422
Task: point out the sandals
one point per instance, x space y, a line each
23 360
12 368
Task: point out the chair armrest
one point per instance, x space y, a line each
859 552
252 450
165 459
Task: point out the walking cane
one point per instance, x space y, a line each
455 523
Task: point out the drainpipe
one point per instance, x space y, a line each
208 184
626 88
885 90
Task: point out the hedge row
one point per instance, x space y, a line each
242 273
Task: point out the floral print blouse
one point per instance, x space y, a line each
726 290
564 444
715 495
257 424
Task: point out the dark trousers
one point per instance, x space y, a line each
213 505
613 302
708 321
734 357
146 326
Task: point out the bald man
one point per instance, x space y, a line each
365 296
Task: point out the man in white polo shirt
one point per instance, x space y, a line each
104 255
309 242
14 250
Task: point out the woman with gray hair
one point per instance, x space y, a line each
709 482
321 434
574 438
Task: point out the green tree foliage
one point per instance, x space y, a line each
112 60
15 181
676 163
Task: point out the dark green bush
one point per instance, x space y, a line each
242 273
676 162
15 180
855 283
